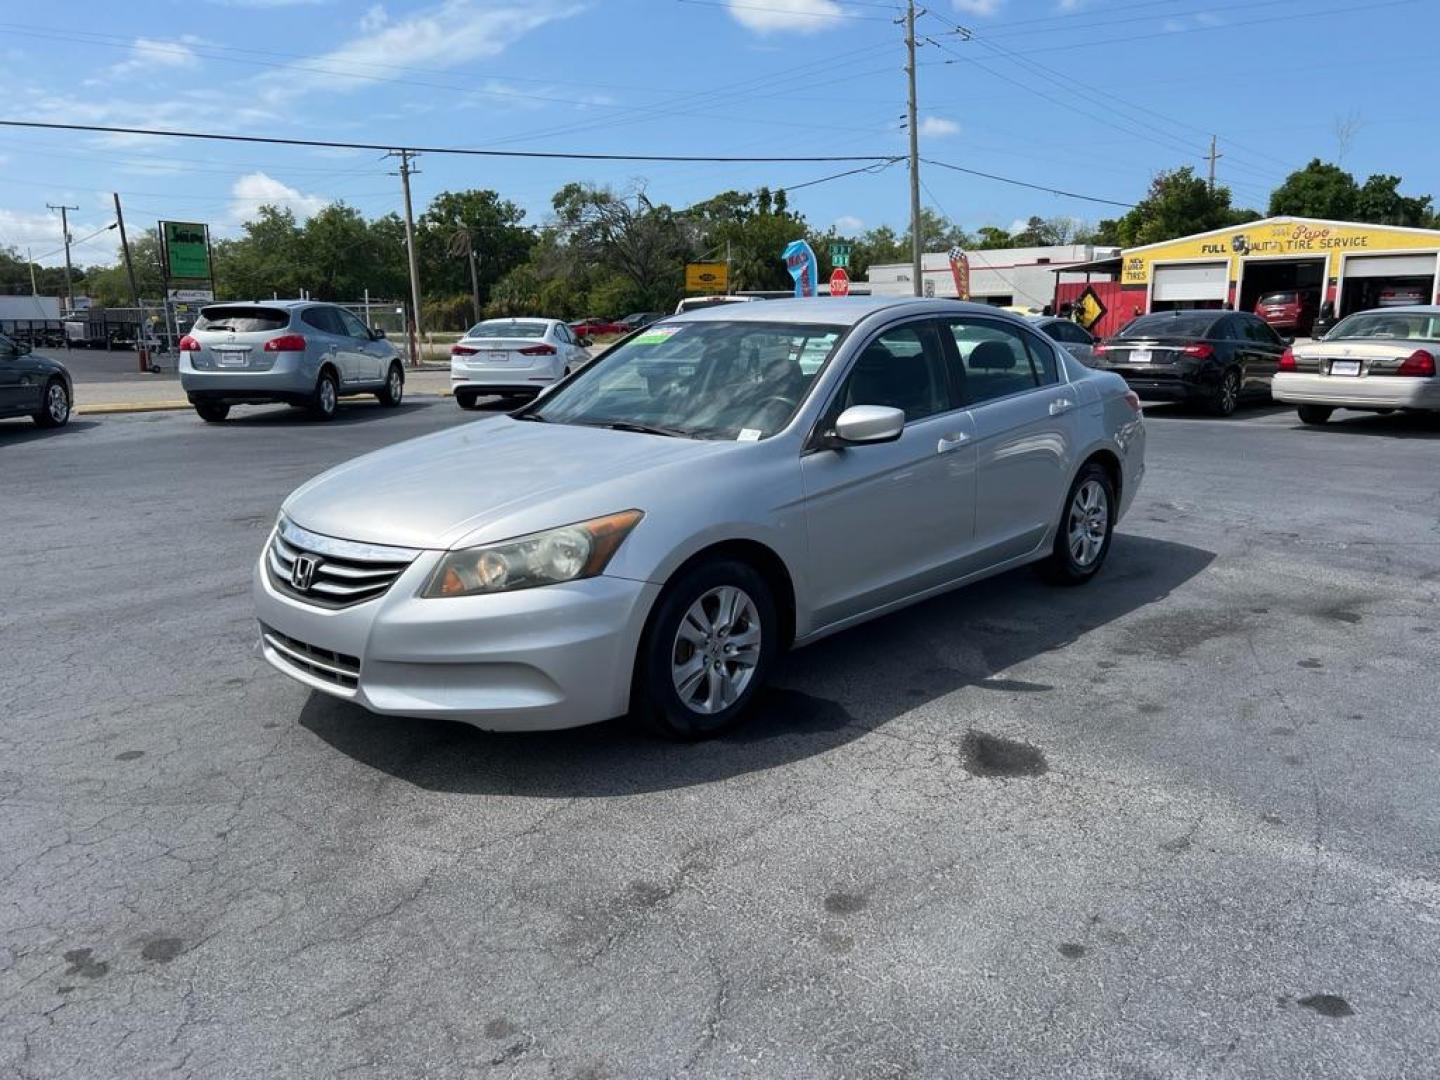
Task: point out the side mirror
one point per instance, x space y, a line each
377 334
860 424
1288 339
584 342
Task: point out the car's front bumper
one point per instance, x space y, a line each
535 659
1356 392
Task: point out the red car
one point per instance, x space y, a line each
593 326
1290 310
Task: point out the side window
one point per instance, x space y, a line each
901 368
563 333
1262 332
1042 354
319 319
352 324
1065 331
995 359
1227 330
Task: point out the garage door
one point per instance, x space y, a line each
1193 281
1370 266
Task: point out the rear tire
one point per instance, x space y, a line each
54 406
1227 394
212 412
1314 414
394 387
326 398
707 651
1087 523
464 400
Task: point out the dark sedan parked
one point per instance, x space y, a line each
1214 358
33 386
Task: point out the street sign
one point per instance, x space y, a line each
839 282
191 296
1088 309
187 249
707 277
840 254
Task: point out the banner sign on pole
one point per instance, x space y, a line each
187 249
803 266
707 277
960 270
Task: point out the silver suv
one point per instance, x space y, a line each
295 351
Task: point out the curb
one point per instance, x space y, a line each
175 406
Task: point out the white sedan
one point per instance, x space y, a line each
1374 361
512 358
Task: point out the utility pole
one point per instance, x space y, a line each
125 248
30 258
916 243
65 228
406 171
1214 156
473 258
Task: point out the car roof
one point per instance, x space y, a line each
836 311
287 304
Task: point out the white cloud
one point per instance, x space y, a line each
848 224
147 54
373 19
263 4
978 7
1172 26
804 15
257 189
1069 5
1019 225
40 234
937 127
448 35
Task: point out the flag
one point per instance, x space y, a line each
960 270
803 266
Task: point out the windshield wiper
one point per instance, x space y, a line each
534 418
646 429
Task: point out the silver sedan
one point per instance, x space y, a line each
1374 361
648 537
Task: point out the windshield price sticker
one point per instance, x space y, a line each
657 335
749 434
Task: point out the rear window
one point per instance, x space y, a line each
1170 324
242 319
1383 326
1279 298
506 328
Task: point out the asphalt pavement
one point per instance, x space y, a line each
1181 822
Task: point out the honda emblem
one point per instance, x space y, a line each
302 572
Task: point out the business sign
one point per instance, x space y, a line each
960 271
1089 309
839 282
190 296
707 277
803 266
187 249
840 255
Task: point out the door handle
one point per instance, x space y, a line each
951 442
1060 405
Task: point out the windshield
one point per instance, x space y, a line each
1182 324
1388 326
708 380
506 328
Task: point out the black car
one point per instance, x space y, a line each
33 386
641 318
1213 358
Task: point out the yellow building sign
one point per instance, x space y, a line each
1296 238
707 277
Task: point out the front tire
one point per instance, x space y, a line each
326 398
707 651
1087 524
394 387
1314 414
1227 394
54 406
212 412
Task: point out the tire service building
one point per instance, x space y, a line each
1352 265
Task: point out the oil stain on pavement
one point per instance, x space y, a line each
990 755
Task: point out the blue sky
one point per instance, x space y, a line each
1093 96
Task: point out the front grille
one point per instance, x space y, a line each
338 669
340 573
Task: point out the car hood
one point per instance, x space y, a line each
489 480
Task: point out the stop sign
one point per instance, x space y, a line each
839 282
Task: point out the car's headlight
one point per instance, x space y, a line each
568 553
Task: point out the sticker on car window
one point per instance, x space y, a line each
749 434
657 335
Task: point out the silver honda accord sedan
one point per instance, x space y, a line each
650 535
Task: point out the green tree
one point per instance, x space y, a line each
459 223
109 286
270 258
1319 190
1380 201
1178 203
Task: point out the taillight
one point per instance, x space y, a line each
1419 363
1132 399
189 344
286 343
1100 350
1200 350
1287 361
538 350
462 350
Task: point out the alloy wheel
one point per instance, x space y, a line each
716 650
1229 393
1088 523
57 403
327 396
397 385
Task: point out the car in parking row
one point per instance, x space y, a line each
513 358
33 385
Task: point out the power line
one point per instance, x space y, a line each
274 140
1027 184
876 168
795 12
